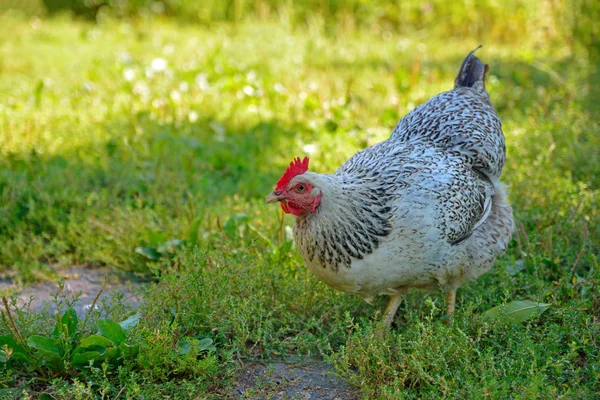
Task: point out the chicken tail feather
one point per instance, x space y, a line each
472 72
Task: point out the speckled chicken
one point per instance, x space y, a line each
423 209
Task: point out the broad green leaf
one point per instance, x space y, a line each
111 353
515 312
148 252
206 344
113 331
185 346
130 322
83 359
68 323
128 352
46 346
96 341
17 351
98 349
515 268
195 346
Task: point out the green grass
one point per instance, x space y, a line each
103 151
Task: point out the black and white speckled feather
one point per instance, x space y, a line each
422 209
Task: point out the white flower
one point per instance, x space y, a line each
159 65
310 148
175 96
202 81
192 116
248 90
129 74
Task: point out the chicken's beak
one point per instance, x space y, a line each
274 197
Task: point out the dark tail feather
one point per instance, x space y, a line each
471 72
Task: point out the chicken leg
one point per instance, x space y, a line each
392 307
450 301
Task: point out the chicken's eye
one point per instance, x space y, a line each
300 188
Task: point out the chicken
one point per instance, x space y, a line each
423 209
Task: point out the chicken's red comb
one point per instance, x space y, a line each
296 167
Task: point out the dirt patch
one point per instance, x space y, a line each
85 281
291 379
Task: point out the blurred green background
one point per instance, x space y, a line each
569 20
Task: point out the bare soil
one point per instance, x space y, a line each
85 282
308 379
